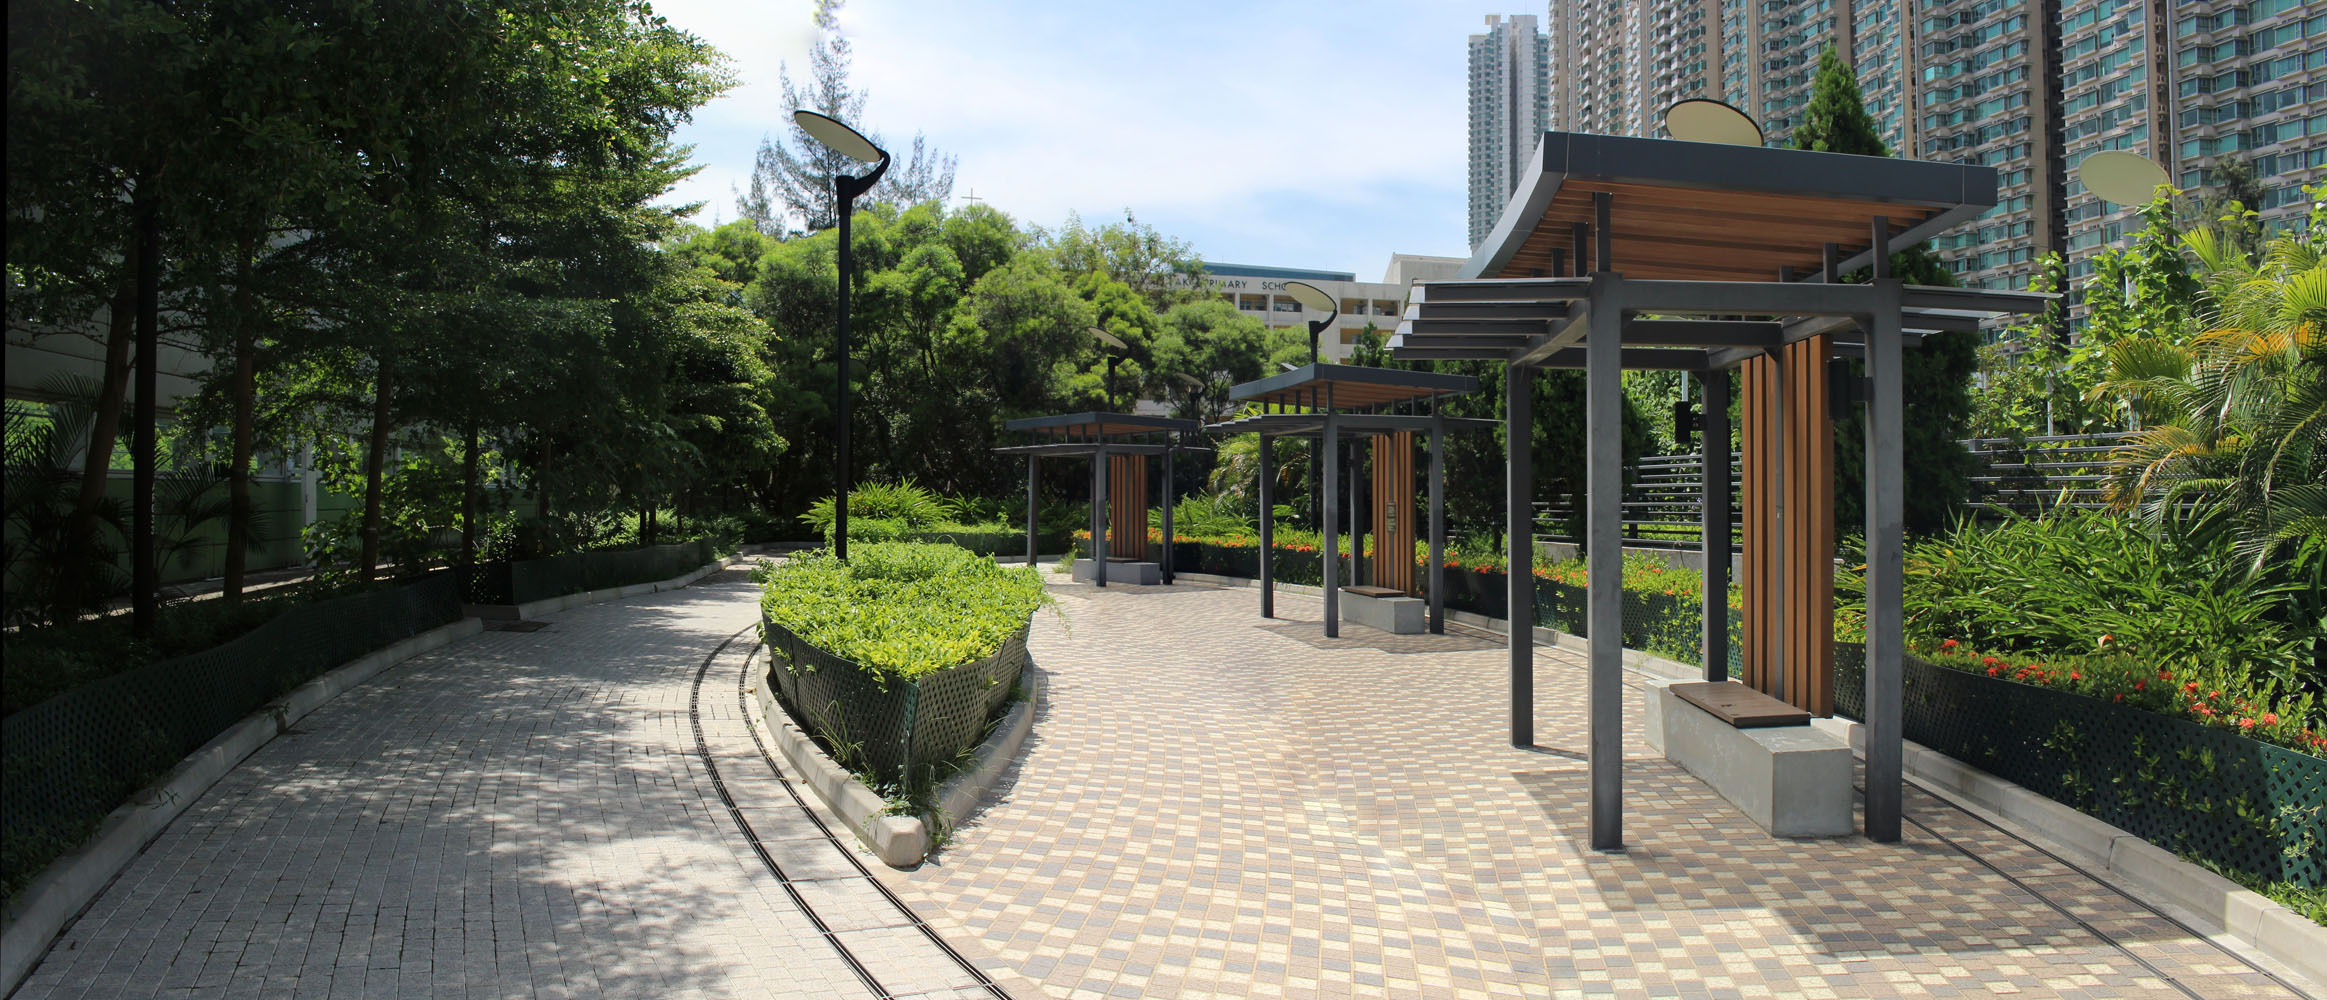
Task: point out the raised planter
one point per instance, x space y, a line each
884 725
2244 804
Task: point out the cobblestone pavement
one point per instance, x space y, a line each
1212 804
517 814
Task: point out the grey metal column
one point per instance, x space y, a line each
1437 522
1885 521
1170 497
1713 512
1268 534
1604 527
1099 512
1519 534
1357 514
1031 475
1329 551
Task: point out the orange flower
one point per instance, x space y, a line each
2270 718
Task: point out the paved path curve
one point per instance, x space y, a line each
516 814
1214 804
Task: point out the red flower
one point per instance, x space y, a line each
2074 676
2140 685
2120 698
1949 644
2216 693
2191 687
1993 671
1988 661
2270 718
2246 723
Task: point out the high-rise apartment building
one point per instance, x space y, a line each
2030 87
1983 70
1510 77
2249 81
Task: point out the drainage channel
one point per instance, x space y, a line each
703 750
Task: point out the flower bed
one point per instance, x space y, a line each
896 659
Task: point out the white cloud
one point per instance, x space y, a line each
1263 133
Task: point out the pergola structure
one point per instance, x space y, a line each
1118 446
1621 253
1325 401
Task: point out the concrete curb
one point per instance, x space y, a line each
58 895
2207 901
901 842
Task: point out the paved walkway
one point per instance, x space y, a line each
1210 805
517 814
1216 805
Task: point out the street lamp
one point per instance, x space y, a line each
1313 297
850 143
1117 343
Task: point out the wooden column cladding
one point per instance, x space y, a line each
1127 507
1395 516
1788 579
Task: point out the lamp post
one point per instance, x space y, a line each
1117 343
1313 297
850 143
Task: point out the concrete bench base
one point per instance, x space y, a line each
1144 574
1395 615
1793 781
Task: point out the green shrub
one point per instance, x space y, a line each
907 505
2055 585
903 610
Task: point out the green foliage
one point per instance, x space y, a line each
883 511
1836 120
2054 586
902 610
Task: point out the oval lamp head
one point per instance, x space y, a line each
1109 339
1310 296
844 140
2122 177
1704 120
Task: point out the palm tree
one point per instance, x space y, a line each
2236 417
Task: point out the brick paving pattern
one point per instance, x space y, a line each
518 814
1212 804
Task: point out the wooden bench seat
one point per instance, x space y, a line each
1740 706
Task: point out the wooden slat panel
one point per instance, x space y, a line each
1127 507
1758 511
1819 615
1394 513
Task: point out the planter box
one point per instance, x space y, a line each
883 725
2243 804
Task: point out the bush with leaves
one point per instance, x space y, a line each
902 610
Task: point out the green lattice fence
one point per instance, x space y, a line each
2240 803
75 757
883 725
580 572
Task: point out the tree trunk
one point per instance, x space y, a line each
469 498
238 475
541 477
104 430
375 463
145 575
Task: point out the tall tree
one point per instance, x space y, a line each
791 181
1936 379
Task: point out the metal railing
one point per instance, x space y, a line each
2026 477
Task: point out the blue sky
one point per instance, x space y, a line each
1322 135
